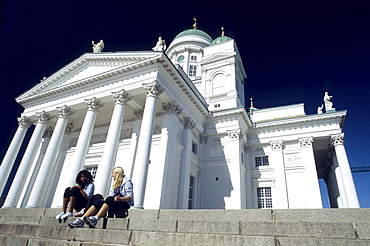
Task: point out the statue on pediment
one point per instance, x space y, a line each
160 46
328 103
98 47
319 109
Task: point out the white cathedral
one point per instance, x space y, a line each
175 119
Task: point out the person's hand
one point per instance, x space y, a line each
116 199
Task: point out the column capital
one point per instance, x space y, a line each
69 128
305 142
337 139
43 117
277 145
153 89
121 97
24 122
48 132
171 107
189 123
247 148
65 111
235 134
93 104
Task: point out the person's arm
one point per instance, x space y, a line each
126 191
89 191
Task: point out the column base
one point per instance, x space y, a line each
137 207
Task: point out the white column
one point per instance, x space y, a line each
280 195
9 158
83 141
185 163
38 191
27 160
345 170
35 168
103 174
311 183
232 152
153 90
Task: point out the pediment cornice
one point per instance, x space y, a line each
137 59
218 57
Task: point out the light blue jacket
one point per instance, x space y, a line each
126 189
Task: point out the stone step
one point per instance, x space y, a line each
192 227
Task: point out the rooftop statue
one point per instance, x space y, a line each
328 103
319 109
160 46
98 47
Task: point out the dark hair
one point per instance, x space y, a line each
87 174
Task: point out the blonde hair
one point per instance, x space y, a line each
119 178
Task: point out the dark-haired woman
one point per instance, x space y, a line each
77 196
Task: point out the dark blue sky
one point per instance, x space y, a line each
292 52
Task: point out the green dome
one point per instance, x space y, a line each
221 40
194 32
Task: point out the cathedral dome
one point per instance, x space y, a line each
193 32
221 40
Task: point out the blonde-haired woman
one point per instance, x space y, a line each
120 197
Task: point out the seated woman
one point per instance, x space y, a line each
120 197
77 196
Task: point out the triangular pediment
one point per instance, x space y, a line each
88 66
218 57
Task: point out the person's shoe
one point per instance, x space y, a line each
58 217
91 221
78 223
79 214
65 216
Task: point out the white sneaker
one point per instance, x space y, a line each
78 223
59 215
65 216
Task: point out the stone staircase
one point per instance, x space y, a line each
192 227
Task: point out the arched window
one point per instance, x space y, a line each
218 84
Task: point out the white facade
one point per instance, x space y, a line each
176 122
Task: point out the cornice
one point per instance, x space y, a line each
219 115
218 57
36 94
185 84
316 118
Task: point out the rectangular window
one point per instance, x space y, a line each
264 197
192 70
194 148
193 58
261 161
191 193
92 170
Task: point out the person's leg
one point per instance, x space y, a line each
91 211
104 209
72 202
66 197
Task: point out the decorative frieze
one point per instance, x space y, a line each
121 97
24 122
93 104
157 129
305 142
126 133
337 139
247 148
235 134
171 107
153 89
277 145
138 113
293 158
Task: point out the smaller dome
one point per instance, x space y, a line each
221 40
194 32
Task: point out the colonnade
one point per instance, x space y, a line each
36 193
